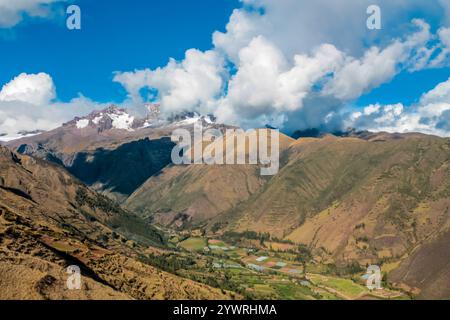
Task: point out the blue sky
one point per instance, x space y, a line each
114 37
291 64
406 87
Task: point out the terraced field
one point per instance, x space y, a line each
273 274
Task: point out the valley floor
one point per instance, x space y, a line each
266 271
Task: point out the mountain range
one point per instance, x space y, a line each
365 197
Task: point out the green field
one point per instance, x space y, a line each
346 287
215 267
193 244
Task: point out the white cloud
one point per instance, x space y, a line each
22 116
192 84
431 115
27 103
296 61
266 85
441 93
31 88
297 26
378 66
133 82
442 59
240 30
12 11
268 88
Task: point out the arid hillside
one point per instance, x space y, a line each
49 220
371 199
366 197
191 194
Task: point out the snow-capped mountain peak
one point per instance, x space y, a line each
115 118
110 118
189 118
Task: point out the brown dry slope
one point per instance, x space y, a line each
394 191
182 194
364 200
196 193
387 196
427 269
47 224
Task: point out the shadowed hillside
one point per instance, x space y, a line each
124 169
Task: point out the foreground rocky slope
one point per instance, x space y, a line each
49 221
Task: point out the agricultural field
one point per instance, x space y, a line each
258 273
343 287
193 244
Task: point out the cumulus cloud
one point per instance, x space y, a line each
31 88
27 103
240 30
431 115
12 12
315 92
378 66
297 26
443 49
441 93
192 84
22 116
266 85
294 62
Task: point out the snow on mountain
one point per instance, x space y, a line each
190 118
83 123
115 118
122 121
110 118
96 120
22 134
